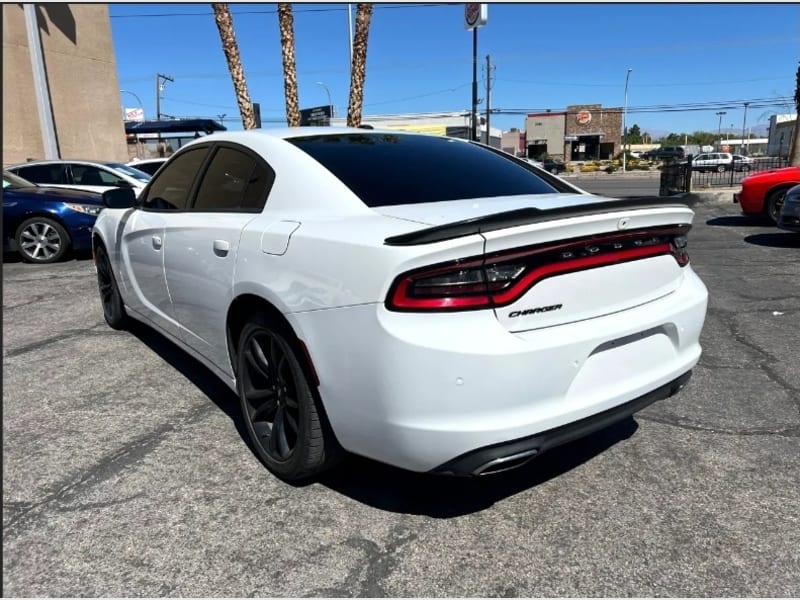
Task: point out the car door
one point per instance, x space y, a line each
201 255
144 238
93 178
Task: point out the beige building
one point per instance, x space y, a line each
81 72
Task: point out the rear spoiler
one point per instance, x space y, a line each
517 217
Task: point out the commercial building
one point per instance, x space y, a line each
454 124
582 132
781 129
79 78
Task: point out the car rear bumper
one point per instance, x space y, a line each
420 390
509 455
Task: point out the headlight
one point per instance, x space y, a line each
89 209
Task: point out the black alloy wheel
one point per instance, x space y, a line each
774 204
280 410
113 307
41 240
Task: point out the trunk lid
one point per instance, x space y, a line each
577 258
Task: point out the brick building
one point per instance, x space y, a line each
592 132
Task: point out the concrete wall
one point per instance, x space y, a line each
546 126
781 129
82 75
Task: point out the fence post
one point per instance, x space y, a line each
687 182
733 168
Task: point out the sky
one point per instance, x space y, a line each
688 61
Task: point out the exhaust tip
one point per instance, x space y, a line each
506 463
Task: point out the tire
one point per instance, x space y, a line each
773 204
720 168
110 298
554 171
287 428
41 240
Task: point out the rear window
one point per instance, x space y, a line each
384 169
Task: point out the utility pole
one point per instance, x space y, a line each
160 88
488 99
624 124
744 127
473 127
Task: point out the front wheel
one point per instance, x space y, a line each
720 168
41 240
773 204
285 425
554 171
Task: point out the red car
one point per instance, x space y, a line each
762 193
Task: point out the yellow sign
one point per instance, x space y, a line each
432 129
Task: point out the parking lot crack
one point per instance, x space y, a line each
69 333
792 431
64 492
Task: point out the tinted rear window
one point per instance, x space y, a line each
385 169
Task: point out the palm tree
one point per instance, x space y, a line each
794 150
358 71
222 15
286 24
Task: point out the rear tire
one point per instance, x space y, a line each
288 429
720 168
773 204
113 307
41 240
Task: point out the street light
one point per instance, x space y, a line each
137 98
624 118
744 127
719 127
330 102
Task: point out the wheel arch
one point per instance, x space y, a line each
778 187
249 303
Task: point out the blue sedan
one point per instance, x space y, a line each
43 223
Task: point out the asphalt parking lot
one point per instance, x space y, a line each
126 473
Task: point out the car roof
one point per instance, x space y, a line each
287 133
56 161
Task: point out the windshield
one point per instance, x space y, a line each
15 181
385 169
130 171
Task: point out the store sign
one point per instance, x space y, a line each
133 114
584 117
475 15
316 116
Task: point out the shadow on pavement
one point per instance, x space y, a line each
784 239
739 221
388 488
439 496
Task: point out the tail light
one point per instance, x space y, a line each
502 278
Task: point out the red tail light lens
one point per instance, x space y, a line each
500 279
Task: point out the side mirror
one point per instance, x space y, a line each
119 198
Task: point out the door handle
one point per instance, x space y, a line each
157 243
221 247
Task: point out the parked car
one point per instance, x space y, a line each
789 217
762 193
742 163
713 161
93 176
148 165
423 301
553 166
665 153
43 223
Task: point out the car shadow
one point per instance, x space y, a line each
12 256
196 372
782 239
389 488
738 221
441 496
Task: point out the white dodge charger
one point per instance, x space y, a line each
424 301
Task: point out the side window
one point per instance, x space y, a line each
171 188
234 181
89 175
44 174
